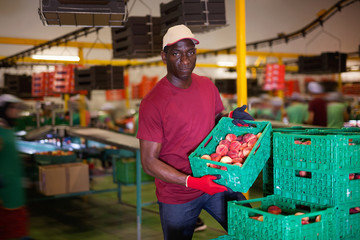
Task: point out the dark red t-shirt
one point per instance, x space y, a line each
318 106
179 119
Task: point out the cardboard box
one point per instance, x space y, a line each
52 179
63 178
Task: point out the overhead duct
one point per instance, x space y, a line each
87 13
327 62
198 15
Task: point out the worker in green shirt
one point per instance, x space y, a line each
336 110
13 214
297 112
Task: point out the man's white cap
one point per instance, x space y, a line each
178 33
4 98
315 87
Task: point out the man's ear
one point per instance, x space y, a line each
163 57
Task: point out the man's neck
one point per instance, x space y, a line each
179 83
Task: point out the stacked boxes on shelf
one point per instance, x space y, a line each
64 79
42 84
140 90
99 77
198 15
139 38
321 166
18 85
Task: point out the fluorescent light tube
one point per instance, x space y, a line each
56 58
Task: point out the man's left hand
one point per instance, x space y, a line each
239 115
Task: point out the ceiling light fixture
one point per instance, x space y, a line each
56 58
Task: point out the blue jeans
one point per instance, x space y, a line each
178 220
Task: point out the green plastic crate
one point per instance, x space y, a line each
50 159
286 226
347 225
323 187
235 177
125 172
339 151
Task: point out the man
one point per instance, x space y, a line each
297 112
317 105
174 118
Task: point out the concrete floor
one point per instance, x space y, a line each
101 216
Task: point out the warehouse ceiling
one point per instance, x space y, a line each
264 19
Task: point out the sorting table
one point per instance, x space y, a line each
119 140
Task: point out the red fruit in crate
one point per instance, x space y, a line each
230 137
223 168
260 218
213 165
274 210
352 211
351 176
222 149
225 142
247 137
318 218
307 143
303 173
243 146
303 222
258 135
238 160
233 154
206 157
226 159
215 157
235 145
297 142
357 176
252 142
239 139
237 164
246 151
303 219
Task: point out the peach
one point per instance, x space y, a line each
303 222
247 137
303 173
239 160
246 151
303 219
274 210
233 154
213 165
297 142
351 176
258 135
206 157
239 139
222 149
252 142
235 145
225 142
243 146
215 157
260 218
306 143
223 168
237 164
230 137
226 159
357 176
318 218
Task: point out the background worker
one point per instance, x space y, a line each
174 118
296 111
13 214
317 105
336 109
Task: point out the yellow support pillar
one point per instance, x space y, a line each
66 100
82 103
241 82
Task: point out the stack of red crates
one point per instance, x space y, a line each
42 84
64 79
144 87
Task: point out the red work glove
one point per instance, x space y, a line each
205 184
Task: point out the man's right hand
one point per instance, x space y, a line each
205 184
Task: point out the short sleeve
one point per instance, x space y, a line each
150 123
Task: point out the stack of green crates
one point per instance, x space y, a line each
329 157
125 172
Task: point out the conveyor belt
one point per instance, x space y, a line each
105 136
